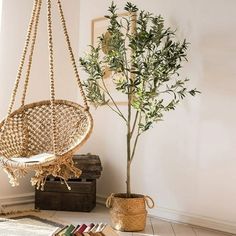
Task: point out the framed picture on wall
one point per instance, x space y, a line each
98 28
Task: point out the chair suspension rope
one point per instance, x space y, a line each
21 65
72 57
51 74
34 36
27 42
24 151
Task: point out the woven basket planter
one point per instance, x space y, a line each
128 214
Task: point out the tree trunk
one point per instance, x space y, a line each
128 184
129 136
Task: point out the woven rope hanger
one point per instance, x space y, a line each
54 127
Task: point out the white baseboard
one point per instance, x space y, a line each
192 219
101 199
17 199
187 218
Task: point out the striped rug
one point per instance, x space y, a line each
28 225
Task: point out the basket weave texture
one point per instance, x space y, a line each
28 132
128 214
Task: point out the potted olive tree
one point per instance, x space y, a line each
144 59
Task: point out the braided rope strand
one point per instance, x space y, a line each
34 36
24 151
51 74
28 37
4 161
72 57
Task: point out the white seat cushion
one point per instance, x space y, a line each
42 157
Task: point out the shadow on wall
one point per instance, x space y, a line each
7 190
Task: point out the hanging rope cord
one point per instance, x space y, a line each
24 151
31 37
51 65
22 62
33 24
30 60
51 74
72 57
34 18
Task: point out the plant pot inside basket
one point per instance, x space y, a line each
128 214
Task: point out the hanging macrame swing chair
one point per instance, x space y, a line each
43 136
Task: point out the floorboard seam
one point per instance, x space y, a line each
173 228
195 232
153 232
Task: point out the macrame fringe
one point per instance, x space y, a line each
62 168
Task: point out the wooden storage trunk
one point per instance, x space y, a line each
81 197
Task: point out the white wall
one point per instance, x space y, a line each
15 18
186 163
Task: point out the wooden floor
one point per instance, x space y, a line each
154 226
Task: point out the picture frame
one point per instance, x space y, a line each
103 21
